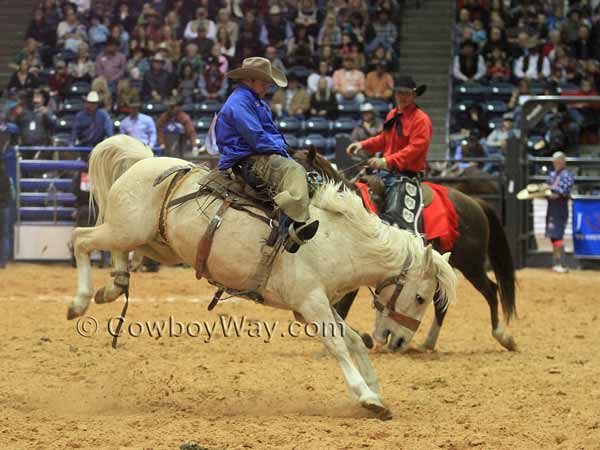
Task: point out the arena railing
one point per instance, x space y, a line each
46 203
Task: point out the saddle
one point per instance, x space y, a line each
377 191
237 194
439 220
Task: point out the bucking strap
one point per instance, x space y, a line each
205 243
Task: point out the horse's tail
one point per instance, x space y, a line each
108 161
502 262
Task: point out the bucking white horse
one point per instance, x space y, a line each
352 248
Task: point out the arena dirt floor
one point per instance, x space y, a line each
59 390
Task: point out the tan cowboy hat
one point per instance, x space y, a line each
258 69
93 97
534 191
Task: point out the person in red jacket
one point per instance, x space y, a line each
404 142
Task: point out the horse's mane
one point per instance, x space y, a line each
387 245
311 160
384 244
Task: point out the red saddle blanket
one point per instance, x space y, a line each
439 217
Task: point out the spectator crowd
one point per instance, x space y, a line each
505 50
91 68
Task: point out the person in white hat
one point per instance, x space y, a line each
251 145
561 182
369 126
92 124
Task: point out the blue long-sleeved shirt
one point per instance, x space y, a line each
245 127
142 128
90 129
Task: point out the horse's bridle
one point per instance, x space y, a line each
389 309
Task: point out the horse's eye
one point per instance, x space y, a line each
420 300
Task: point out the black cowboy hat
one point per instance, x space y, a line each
405 83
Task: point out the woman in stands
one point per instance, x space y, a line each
188 84
323 102
23 79
83 68
227 45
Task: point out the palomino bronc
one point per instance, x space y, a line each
353 248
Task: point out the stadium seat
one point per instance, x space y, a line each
495 123
301 72
200 139
292 141
318 124
344 124
537 88
317 140
463 105
70 106
496 106
501 89
210 106
471 91
117 123
567 88
65 123
381 107
349 107
154 108
202 123
190 109
62 139
289 124
79 89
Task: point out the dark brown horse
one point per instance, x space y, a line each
481 237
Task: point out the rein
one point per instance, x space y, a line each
389 309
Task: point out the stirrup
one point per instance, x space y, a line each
298 237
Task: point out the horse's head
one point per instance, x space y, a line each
401 301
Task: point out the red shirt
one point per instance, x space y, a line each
407 152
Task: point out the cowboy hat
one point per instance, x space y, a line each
258 68
158 57
405 83
93 97
534 191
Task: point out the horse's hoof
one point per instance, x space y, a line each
99 296
367 340
75 311
510 344
382 412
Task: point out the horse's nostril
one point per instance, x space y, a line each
400 343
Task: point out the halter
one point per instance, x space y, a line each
389 310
